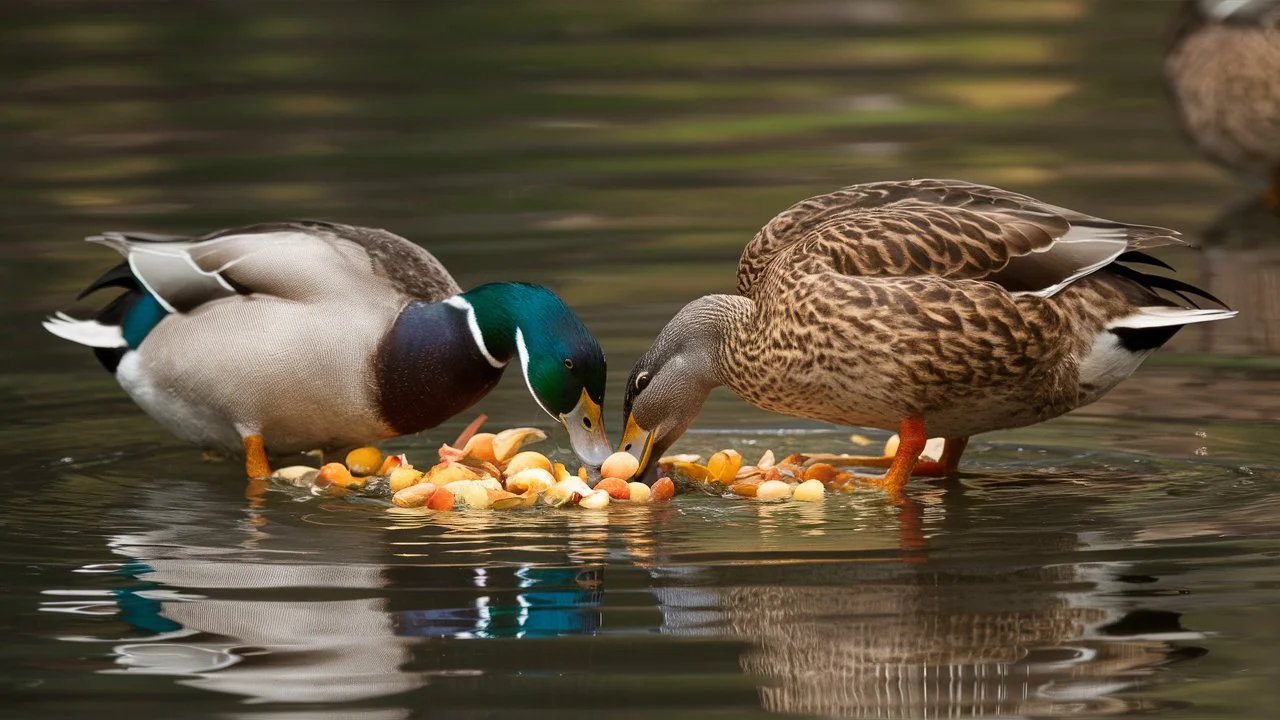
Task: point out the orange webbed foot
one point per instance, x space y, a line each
906 461
256 466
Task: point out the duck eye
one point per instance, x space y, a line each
642 381
568 364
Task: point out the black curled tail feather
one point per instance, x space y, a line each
1159 282
119 276
114 312
1151 337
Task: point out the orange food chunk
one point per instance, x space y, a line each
617 489
663 490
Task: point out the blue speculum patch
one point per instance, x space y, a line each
143 316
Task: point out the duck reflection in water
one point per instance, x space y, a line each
925 633
259 611
527 602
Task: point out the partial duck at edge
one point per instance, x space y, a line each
1223 73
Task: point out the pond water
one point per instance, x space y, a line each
1119 561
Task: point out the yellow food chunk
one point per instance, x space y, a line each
723 466
594 500
402 477
526 460
809 491
691 471
364 461
503 500
620 465
337 475
414 495
479 447
507 443
773 490
535 479
446 473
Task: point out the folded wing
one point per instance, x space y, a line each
943 228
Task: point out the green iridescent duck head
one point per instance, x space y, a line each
561 360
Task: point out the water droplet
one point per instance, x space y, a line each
1202 434
1202 451
1246 471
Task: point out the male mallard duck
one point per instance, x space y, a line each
296 336
1223 71
927 306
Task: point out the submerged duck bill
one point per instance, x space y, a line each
586 432
639 442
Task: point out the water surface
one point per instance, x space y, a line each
1120 561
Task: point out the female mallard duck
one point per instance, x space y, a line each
1223 71
310 335
928 306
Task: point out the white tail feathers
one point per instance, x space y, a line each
85 332
1163 316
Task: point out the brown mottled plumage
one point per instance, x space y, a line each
959 307
1223 70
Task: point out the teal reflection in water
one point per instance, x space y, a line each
522 603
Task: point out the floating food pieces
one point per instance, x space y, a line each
493 471
478 471
690 470
441 499
527 460
773 490
566 492
507 443
594 500
300 475
617 489
639 492
620 465
662 491
503 500
337 475
799 477
449 472
365 461
390 464
531 479
723 467
402 477
809 491
414 495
